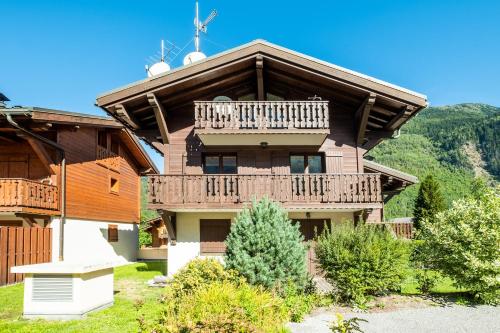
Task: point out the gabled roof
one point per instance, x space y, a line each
378 107
33 115
345 75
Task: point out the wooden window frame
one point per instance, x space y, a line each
221 158
306 161
113 233
111 190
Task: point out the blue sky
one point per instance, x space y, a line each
62 54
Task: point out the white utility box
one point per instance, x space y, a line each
65 290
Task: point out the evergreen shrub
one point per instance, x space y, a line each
266 248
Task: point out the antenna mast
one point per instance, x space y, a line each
201 26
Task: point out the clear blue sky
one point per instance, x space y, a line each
62 54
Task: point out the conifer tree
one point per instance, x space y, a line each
429 202
265 247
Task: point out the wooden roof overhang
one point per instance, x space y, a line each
393 181
48 121
380 107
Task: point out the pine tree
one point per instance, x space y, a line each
429 201
265 247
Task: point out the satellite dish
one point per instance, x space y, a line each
193 57
158 68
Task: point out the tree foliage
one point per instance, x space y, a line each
429 201
265 247
464 244
362 261
432 142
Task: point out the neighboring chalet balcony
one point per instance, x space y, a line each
262 122
21 195
294 191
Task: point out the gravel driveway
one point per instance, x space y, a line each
447 319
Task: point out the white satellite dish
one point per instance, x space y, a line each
159 67
193 57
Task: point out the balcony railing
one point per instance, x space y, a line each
17 193
107 158
194 191
261 115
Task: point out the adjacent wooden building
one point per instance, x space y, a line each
104 162
262 120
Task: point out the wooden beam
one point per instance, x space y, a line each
160 117
259 65
362 115
126 116
6 138
42 154
401 117
170 222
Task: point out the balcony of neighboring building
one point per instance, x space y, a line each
254 123
20 195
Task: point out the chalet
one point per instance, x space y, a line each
262 120
79 175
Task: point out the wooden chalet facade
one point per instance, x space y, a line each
262 120
103 165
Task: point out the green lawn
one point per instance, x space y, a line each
121 317
444 285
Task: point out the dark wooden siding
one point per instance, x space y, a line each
213 233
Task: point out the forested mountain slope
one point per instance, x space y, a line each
455 143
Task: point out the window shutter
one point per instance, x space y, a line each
112 233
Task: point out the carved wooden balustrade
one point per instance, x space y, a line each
19 192
261 115
195 191
107 158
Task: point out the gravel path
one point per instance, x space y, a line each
448 319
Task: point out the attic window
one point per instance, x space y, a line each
114 185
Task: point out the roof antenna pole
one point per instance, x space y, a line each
197 29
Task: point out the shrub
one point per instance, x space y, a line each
200 273
426 280
265 247
220 306
145 237
464 244
429 201
362 261
341 325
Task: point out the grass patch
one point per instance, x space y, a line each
444 285
121 317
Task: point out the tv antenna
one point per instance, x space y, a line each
160 62
199 26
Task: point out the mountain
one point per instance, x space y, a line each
455 143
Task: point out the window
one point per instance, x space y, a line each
306 163
112 233
102 139
221 163
213 234
114 185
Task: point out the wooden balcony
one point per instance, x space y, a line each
21 195
295 191
253 122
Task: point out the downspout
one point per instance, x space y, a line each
63 177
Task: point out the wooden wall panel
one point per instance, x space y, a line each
185 150
88 182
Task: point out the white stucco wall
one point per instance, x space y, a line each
188 233
88 241
188 238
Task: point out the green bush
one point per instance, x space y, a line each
362 261
265 247
200 273
145 237
463 243
220 306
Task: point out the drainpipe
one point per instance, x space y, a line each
63 177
